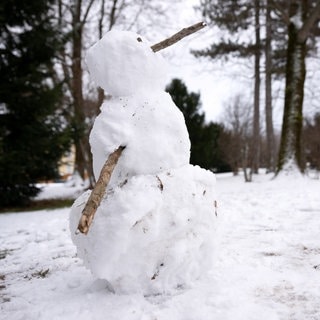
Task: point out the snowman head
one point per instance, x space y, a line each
122 63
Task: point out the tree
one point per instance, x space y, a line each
72 17
33 132
255 147
237 138
311 134
236 17
301 18
204 137
270 139
78 21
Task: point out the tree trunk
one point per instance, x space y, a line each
83 163
290 147
76 69
255 149
270 152
303 18
247 170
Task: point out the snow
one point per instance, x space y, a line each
297 19
153 234
267 264
68 190
140 69
290 169
151 127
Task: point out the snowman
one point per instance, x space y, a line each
154 229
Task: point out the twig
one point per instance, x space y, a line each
178 36
215 203
98 191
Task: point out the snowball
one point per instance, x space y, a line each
153 234
123 65
151 127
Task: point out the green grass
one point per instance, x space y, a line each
49 204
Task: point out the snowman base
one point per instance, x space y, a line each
153 233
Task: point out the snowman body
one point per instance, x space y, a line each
154 230
154 141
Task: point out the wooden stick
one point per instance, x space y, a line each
178 36
98 191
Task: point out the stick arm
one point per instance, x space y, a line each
98 191
178 36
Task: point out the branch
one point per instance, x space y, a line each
98 191
178 36
309 23
112 15
282 13
85 16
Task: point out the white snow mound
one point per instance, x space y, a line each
153 234
151 128
122 63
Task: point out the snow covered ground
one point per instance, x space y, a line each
267 262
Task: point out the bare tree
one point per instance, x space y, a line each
83 22
270 145
255 148
311 134
72 18
238 122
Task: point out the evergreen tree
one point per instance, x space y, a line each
33 133
204 137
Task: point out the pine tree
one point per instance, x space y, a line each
204 137
33 133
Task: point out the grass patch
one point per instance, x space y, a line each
48 204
